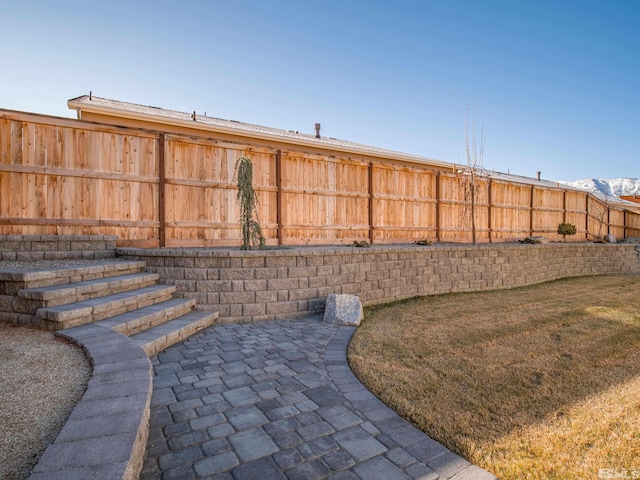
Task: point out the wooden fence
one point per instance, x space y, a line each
64 177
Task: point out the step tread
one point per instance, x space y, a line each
86 286
19 274
158 312
166 334
86 307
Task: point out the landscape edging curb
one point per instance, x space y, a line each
106 434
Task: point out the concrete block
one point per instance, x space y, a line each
266 273
237 274
254 309
280 261
282 284
266 296
195 273
77 429
87 452
212 262
253 262
294 272
237 297
213 286
282 307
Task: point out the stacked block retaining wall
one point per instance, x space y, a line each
31 248
276 284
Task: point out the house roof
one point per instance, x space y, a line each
510 177
631 198
117 108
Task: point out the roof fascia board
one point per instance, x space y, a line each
115 112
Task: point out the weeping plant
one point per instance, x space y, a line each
248 200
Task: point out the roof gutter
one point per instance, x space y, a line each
80 106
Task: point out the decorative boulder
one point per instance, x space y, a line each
343 310
535 239
610 238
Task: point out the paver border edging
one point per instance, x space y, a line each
424 448
106 434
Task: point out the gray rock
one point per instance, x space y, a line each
610 238
632 240
343 310
535 239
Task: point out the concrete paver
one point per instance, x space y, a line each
277 400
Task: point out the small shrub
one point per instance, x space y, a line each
362 244
565 229
422 242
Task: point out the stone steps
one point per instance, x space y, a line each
156 339
147 317
51 296
120 316
14 280
89 311
117 295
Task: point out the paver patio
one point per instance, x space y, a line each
277 400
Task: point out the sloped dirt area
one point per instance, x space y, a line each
41 379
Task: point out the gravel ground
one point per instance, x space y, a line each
41 379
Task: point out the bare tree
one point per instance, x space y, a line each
600 212
472 177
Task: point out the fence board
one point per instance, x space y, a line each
200 192
632 224
616 223
597 218
72 178
403 203
61 176
323 200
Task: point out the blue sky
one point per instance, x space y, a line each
555 84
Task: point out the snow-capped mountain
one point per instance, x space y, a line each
610 187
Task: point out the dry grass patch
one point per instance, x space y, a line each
537 382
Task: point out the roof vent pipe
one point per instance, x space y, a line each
538 176
317 130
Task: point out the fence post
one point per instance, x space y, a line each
279 195
531 211
162 240
371 217
438 207
624 221
586 219
489 222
